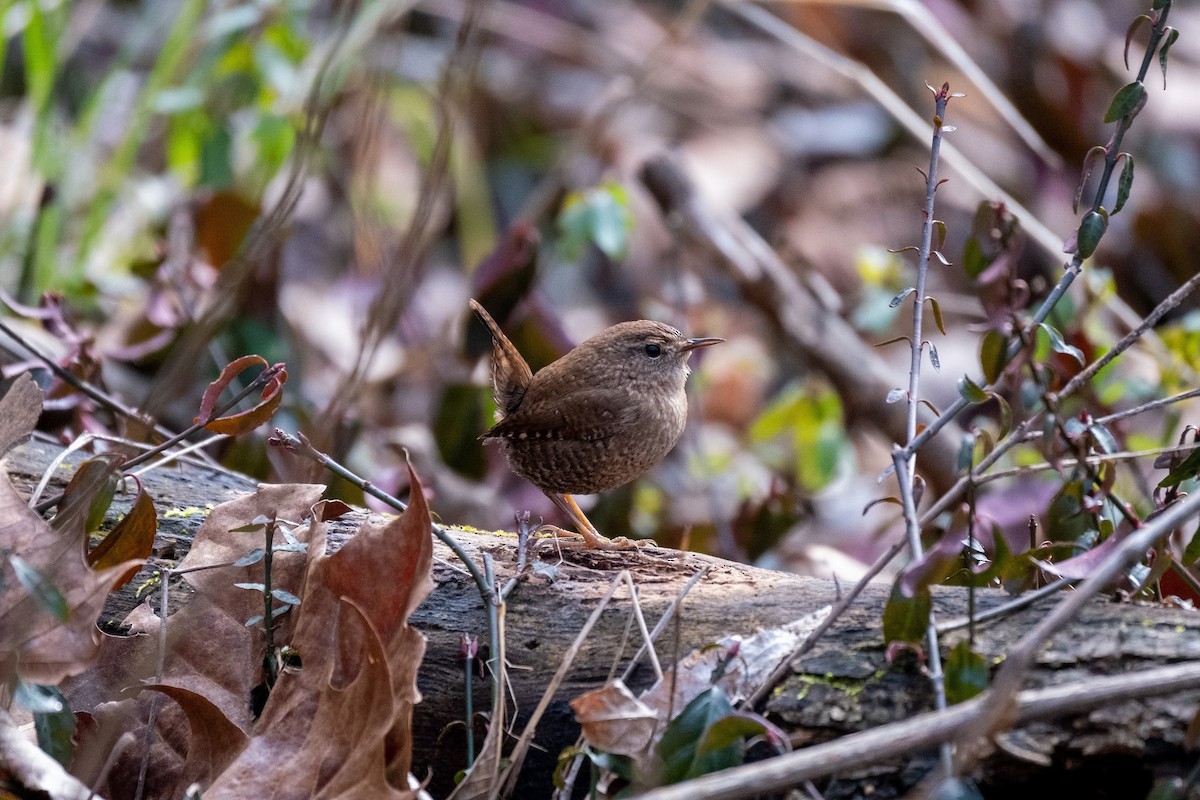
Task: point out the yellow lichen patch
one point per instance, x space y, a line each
190 511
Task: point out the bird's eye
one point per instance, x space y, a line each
653 350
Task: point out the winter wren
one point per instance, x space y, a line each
595 419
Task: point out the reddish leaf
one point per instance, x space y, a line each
236 424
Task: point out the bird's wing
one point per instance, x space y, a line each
579 415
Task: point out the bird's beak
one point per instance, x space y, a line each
692 344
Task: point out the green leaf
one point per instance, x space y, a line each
966 452
973 260
1185 470
1060 345
729 732
1126 101
56 728
1006 416
1171 36
1091 230
971 391
43 591
1124 183
1192 553
966 673
275 138
899 298
679 751
993 354
940 227
905 619
599 216
93 483
216 159
937 315
1104 438
462 412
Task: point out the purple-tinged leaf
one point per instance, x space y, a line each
1131 30
1171 36
1089 164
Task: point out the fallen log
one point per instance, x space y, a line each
845 684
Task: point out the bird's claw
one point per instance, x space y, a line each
595 541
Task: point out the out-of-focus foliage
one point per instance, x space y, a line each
201 181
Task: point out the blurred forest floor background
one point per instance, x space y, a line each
327 183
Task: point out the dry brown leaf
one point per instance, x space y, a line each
210 652
215 741
48 610
20 408
341 725
615 721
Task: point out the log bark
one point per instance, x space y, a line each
844 685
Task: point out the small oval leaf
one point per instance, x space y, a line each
1171 36
1089 164
1126 101
1125 182
1091 229
970 391
993 353
937 315
899 298
1131 30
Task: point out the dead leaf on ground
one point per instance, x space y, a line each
615 721
341 724
49 597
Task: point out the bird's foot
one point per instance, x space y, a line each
595 541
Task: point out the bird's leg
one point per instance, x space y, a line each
592 538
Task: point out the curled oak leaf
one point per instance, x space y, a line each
131 539
215 740
235 424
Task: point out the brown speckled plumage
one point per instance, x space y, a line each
597 418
